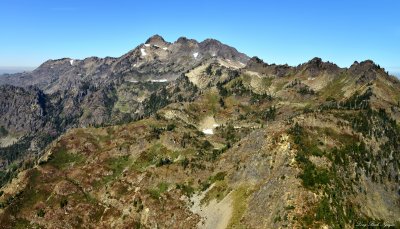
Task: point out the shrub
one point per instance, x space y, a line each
209 70
186 189
171 127
164 161
185 163
40 213
222 91
270 114
63 203
221 102
206 145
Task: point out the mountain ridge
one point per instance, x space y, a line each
177 58
196 141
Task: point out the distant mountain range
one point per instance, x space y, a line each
195 134
12 70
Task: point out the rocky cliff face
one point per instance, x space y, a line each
22 110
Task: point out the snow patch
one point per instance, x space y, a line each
147 45
207 125
71 62
165 48
208 131
159 81
214 54
195 55
143 52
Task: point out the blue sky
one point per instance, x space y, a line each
285 31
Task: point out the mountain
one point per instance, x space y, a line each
156 59
220 144
96 91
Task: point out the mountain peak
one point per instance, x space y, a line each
211 41
185 40
363 66
366 70
315 60
255 62
156 40
316 65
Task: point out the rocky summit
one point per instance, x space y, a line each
195 134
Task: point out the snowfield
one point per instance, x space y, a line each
143 52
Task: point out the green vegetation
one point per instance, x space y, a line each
40 213
209 70
334 209
270 114
239 205
305 90
221 102
228 132
357 101
23 224
156 192
31 195
260 98
157 154
117 166
171 127
220 176
212 102
266 82
223 92
13 153
156 101
334 88
63 203
313 176
186 189
218 192
61 159
184 162
237 87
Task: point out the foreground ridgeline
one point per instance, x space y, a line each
198 135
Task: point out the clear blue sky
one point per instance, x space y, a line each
284 31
